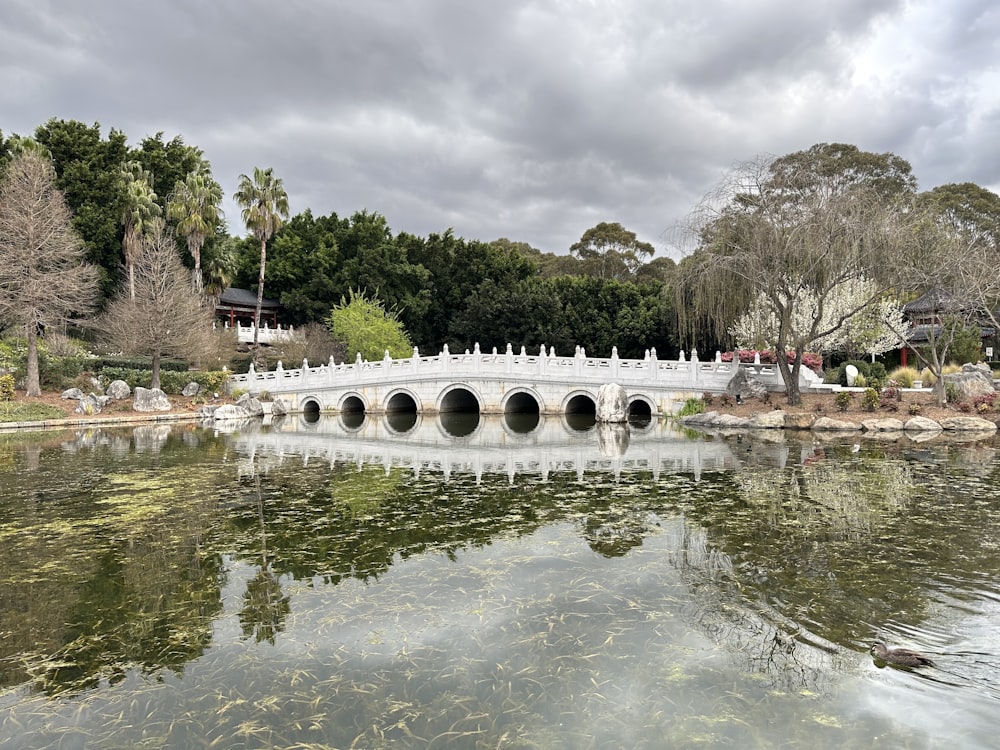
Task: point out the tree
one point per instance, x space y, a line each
140 212
194 205
792 236
159 313
368 329
88 172
44 278
264 205
609 251
871 330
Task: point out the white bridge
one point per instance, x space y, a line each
499 383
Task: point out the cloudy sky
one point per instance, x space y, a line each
527 119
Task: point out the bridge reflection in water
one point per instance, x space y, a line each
511 445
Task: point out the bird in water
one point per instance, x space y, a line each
903 657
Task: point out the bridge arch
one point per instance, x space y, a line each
641 406
311 406
579 401
459 397
352 402
401 400
522 401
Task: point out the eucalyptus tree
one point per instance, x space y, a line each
44 278
791 234
609 251
139 213
264 204
194 205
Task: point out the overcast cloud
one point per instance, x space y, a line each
527 119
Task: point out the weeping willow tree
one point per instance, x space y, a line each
790 237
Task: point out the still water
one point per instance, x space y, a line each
363 583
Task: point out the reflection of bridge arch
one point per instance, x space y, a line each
522 400
459 397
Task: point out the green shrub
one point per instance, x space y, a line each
873 373
6 387
691 406
870 399
843 400
171 381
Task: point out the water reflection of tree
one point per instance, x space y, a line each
265 608
113 572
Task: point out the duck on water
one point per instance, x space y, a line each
903 657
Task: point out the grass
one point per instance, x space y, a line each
14 411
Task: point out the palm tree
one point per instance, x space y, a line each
140 212
194 205
265 208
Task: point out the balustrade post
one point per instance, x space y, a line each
509 357
541 359
445 358
654 368
614 363
477 359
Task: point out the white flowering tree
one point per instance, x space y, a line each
851 316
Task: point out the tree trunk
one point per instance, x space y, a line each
260 302
789 376
154 381
32 383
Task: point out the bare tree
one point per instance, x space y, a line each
166 316
43 277
791 233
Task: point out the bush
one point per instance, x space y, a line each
6 387
904 376
707 398
873 373
869 399
914 409
171 381
843 400
691 406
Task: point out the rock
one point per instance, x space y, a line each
714 419
745 385
90 405
253 407
828 423
118 390
279 408
971 382
768 420
191 389
968 423
921 424
74 394
229 412
800 421
612 404
207 410
150 399
882 425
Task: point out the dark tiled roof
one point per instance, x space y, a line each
244 298
933 300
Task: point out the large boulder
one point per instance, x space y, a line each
612 404
973 381
90 404
72 394
229 412
745 385
191 389
118 390
279 408
968 423
150 399
251 405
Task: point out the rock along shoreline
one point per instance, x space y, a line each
779 419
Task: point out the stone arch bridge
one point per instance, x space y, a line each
496 383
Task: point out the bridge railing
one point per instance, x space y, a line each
683 373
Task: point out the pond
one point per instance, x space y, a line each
478 583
